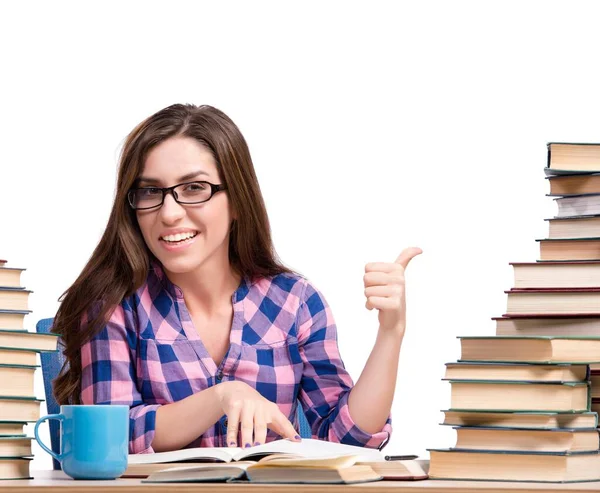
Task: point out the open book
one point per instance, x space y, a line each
273 469
307 448
224 463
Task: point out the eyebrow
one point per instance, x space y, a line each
189 176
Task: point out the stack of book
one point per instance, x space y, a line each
18 364
521 409
560 294
522 401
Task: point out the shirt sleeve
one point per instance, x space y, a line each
325 385
108 375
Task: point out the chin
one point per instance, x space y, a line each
180 266
177 263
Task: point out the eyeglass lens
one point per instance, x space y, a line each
188 193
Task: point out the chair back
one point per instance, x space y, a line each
52 362
305 431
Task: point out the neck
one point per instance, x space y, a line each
207 290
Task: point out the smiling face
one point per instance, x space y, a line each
178 160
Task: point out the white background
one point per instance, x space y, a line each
372 125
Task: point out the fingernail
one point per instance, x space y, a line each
248 445
232 444
297 437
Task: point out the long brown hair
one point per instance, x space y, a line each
119 264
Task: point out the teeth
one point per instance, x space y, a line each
179 236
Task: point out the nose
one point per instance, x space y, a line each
171 210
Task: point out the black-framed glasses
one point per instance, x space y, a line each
193 192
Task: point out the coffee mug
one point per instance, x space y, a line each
94 440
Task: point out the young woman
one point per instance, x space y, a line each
184 313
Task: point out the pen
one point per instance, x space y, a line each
400 457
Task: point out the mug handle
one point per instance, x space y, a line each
60 417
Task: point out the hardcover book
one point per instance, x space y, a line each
572 157
12 298
520 419
22 339
10 276
579 184
569 249
12 319
530 349
563 372
551 440
478 395
559 301
491 465
550 274
548 325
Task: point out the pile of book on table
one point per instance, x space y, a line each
18 364
523 402
279 461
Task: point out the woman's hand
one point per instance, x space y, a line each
385 290
244 406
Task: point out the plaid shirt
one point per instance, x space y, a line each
283 343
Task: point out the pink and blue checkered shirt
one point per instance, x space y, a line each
283 343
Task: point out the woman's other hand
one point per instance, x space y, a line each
249 411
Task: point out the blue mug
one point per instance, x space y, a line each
94 440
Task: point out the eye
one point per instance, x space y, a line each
197 186
149 192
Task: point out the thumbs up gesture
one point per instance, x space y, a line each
385 289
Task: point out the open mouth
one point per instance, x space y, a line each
179 239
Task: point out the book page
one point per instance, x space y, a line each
309 448
224 454
200 473
287 460
207 467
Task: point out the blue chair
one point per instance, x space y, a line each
305 431
52 362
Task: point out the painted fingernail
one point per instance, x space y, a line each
232 444
248 445
297 437
256 443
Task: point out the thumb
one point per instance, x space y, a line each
407 254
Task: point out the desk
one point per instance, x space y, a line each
58 482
